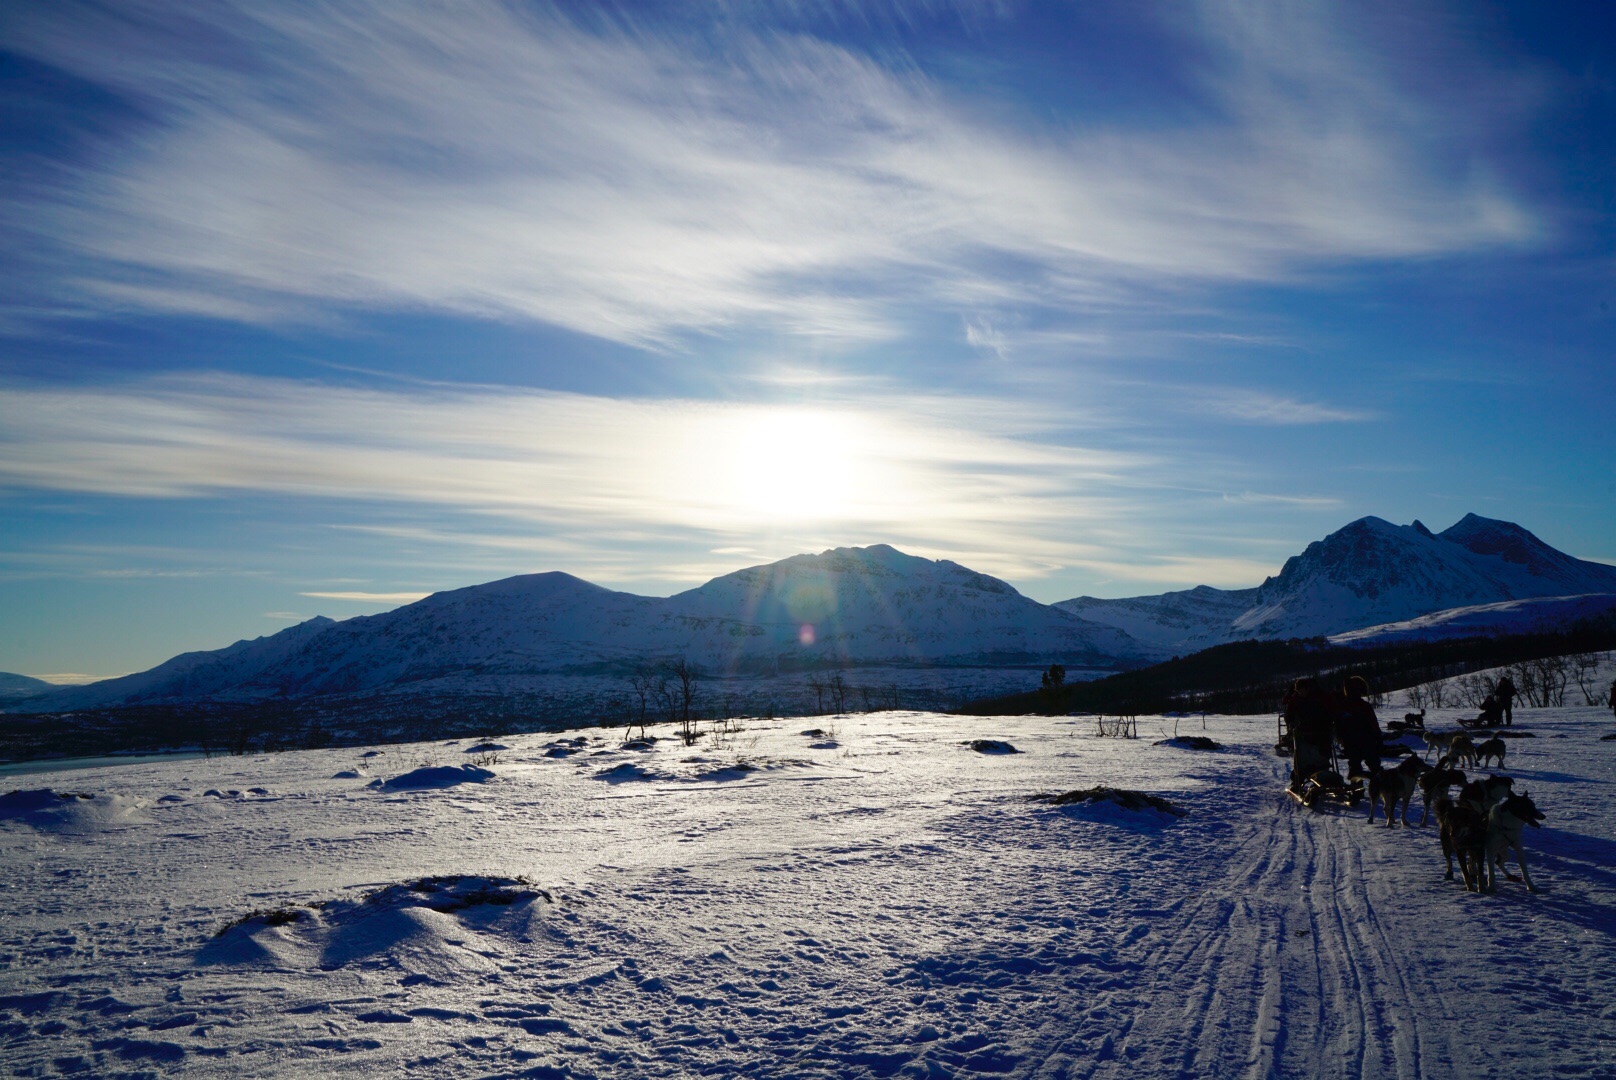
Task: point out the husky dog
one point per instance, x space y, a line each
1393 786
1415 719
1463 831
1434 784
1492 748
1506 824
1441 741
1461 749
1495 789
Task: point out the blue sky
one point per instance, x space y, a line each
311 308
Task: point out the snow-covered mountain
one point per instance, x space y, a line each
1368 573
852 606
15 687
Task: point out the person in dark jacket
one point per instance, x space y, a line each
1358 729
1491 713
1505 691
1312 727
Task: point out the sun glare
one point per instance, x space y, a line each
797 464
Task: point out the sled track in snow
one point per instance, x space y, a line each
1296 963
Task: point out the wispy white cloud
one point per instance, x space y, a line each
1258 407
493 161
577 473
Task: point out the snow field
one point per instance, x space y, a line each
877 899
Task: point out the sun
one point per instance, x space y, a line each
798 464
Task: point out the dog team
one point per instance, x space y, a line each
1479 827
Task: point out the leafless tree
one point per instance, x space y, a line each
648 686
683 678
1585 669
817 685
838 690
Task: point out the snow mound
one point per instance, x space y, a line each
435 928
1118 806
71 811
1191 742
435 776
992 746
486 748
626 772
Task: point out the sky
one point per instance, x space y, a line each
319 307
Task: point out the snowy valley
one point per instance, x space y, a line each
855 896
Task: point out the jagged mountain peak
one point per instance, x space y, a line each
1505 539
1367 572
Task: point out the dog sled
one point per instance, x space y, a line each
1284 744
1327 786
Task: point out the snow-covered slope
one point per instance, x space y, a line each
1538 615
876 900
16 687
193 674
879 604
1368 573
850 605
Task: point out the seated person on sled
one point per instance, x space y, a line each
1492 715
1312 728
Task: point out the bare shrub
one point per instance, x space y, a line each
1117 727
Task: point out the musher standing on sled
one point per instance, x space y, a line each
1359 730
1312 729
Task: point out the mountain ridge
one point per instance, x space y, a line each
1367 573
842 607
862 606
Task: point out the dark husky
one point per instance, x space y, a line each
1392 786
1463 830
1434 784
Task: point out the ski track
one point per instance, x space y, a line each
891 907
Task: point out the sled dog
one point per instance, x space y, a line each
1440 741
1435 783
1506 824
1463 831
1462 749
1492 748
1391 786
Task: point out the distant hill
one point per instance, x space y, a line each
17 687
1365 574
847 606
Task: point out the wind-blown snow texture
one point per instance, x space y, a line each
850 605
873 899
1368 573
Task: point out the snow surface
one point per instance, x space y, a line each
862 896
